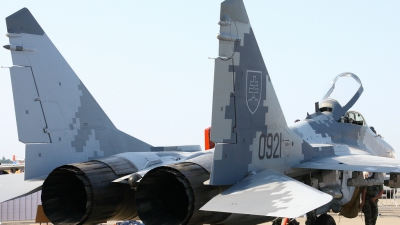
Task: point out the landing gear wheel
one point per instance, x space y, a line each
325 219
311 218
285 221
277 221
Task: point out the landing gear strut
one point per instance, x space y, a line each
311 218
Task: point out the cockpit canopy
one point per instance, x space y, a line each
328 104
353 117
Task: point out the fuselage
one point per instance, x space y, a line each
321 128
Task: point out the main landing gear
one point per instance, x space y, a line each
285 221
312 219
323 219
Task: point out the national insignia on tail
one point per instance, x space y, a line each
254 89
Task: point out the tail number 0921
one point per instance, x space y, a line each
270 146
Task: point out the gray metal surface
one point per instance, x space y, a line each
55 108
252 137
243 99
28 109
354 163
120 165
236 9
23 22
268 193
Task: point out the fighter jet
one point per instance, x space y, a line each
276 170
261 169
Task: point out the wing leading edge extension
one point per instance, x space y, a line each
268 193
368 163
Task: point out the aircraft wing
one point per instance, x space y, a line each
268 193
13 186
368 163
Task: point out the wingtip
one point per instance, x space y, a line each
23 21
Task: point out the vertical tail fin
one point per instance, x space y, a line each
57 117
246 111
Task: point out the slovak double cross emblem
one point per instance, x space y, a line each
253 90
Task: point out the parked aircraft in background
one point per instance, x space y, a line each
17 165
261 168
12 184
11 167
17 160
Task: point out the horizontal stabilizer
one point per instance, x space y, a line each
268 193
368 163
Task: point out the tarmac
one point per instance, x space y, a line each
389 213
389 210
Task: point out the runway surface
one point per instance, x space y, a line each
388 210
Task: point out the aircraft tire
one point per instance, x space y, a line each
277 221
285 221
293 222
325 219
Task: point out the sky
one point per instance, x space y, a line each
147 62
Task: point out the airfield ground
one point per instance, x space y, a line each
389 211
388 215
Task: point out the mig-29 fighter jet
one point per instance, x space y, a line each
268 162
261 169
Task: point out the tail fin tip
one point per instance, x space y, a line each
23 21
235 9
